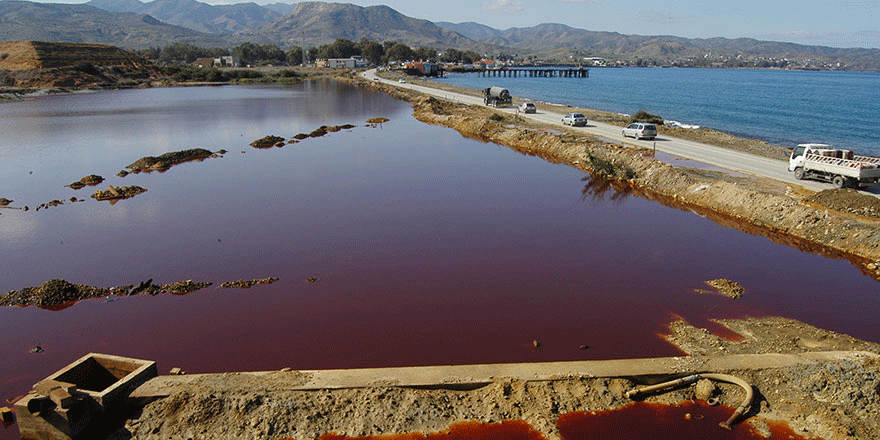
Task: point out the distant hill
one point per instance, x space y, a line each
322 23
86 24
666 50
202 17
281 8
135 24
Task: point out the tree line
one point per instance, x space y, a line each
265 54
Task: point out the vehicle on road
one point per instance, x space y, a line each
527 107
840 167
496 96
402 81
574 119
640 130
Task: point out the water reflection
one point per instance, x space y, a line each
600 188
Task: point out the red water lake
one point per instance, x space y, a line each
430 248
638 421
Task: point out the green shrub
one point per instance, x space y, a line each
643 116
607 168
496 117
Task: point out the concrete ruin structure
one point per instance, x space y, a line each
81 397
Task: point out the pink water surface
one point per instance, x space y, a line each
429 248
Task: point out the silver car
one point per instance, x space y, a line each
640 130
527 107
574 119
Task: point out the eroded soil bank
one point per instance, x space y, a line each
758 206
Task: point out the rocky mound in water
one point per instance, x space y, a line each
91 179
52 292
269 142
167 160
58 291
728 288
118 193
246 284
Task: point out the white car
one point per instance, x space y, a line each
575 120
402 81
640 130
527 107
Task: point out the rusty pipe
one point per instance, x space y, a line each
747 401
687 380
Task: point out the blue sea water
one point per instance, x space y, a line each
780 106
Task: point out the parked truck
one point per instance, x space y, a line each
496 96
840 167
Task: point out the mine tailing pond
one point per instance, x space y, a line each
422 247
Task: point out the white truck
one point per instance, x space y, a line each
840 167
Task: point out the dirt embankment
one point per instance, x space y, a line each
834 400
757 206
35 64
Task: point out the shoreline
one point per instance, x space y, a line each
754 205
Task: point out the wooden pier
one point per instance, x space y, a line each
543 72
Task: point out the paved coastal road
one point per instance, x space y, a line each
709 154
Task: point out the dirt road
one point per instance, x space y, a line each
709 154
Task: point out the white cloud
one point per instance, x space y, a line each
863 39
503 5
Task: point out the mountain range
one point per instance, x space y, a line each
135 24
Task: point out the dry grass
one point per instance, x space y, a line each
18 55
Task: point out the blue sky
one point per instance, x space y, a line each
840 24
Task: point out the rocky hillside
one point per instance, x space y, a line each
24 55
202 17
35 64
668 50
322 23
21 21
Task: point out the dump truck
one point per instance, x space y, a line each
496 96
842 168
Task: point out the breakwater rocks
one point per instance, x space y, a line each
753 205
